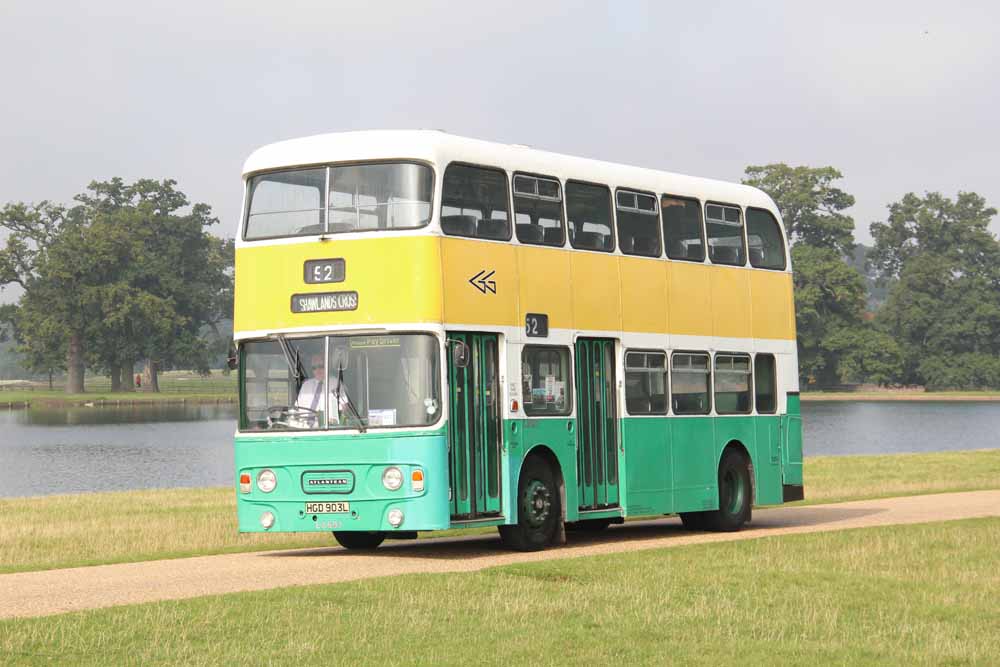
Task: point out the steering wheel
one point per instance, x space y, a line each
282 414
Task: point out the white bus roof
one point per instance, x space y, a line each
440 148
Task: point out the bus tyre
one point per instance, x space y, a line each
539 509
358 541
735 494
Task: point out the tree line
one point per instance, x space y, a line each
126 274
130 273
933 257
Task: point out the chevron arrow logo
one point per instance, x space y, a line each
481 281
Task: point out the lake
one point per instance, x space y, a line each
45 451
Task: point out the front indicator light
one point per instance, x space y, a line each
395 518
245 482
392 478
417 480
266 480
267 520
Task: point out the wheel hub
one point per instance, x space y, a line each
537 503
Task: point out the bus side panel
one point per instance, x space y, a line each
689 298
767 464
648 465
694 464
480 282
730 302
525 435
545 288
791 464
643 294
773 312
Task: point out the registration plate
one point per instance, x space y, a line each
334 507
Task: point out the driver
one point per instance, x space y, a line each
311 392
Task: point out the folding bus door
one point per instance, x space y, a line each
597 423
474 428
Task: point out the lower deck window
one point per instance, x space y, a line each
689 378
646 383
546 380
732 384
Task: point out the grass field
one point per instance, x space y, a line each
70 530
921 594
174 385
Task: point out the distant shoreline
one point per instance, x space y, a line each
113 401
879 396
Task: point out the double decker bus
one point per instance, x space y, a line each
439 332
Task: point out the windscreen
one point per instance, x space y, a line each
340 382
339 199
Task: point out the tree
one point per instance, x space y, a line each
829 293
943 267
122 275
811 207
829 301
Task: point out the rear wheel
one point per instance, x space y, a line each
539 509
735 497
359 541
735 494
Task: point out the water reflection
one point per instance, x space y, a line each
48 450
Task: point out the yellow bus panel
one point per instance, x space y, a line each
730 302
689 298
596 291
644 294
545 285
480 282
397 280
773 310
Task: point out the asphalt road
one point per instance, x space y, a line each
48 592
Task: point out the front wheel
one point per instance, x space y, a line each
358 541
539 510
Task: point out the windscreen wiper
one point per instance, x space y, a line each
291 358
350 403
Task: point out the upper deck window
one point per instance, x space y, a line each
767 247
474 203
682 232
638 223
588 208
725 234
331 200
538 214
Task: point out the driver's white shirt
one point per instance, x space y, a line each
307 396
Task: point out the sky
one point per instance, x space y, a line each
899 96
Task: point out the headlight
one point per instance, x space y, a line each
392 478
266 480
395 518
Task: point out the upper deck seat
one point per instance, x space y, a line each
756 256
646 245
554 236
492 229
726 254
591 240
458 225
527 233
626 243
